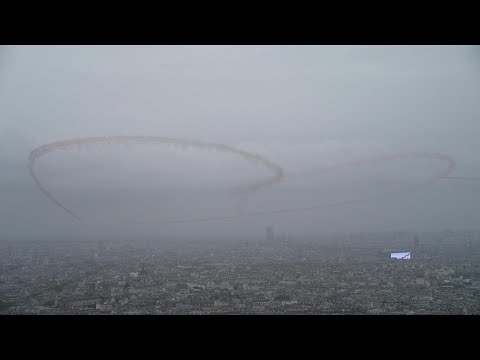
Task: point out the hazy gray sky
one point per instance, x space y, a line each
304 107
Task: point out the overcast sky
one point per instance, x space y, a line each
302 107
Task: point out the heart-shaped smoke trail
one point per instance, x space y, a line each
278 173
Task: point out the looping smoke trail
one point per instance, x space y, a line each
386 158
466 178
48 194
128 140
411 155
276 169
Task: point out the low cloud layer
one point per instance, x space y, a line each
305 108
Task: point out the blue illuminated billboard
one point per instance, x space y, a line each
400 255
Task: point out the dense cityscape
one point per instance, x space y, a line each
274 274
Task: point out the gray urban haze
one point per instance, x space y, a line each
305 108
240 180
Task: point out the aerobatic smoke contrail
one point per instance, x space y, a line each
466 178
411 155
126 140
276 169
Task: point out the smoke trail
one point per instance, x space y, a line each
276 169
466 178
387 158
412 155
128 140
48 194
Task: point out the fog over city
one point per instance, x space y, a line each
238 180
301 109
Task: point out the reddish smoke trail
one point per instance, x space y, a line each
466 178
412 155
388 158
277 170
48 194
126 140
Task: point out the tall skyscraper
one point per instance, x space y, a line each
416 246
467 248
416 243
270 236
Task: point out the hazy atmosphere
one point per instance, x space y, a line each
237 135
